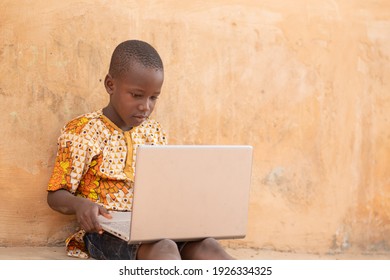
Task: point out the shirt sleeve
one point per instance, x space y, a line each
70 163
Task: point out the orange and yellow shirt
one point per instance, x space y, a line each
96 160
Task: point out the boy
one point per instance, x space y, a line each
94 168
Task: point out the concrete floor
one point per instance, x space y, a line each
58 253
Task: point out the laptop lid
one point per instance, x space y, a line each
190 192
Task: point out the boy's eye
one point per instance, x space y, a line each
154 97
136 95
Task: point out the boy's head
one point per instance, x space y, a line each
134 82
134 51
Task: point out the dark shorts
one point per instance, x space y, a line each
109 247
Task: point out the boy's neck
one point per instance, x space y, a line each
115 118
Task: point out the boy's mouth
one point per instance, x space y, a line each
140 117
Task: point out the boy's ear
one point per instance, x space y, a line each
109 84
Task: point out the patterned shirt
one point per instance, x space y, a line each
96 160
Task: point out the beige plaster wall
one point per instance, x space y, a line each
305 82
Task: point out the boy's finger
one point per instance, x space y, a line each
98 227
104 212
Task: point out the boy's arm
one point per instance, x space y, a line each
85 210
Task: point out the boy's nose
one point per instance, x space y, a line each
144 106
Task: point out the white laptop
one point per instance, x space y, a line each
187 192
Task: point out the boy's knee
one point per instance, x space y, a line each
209 244
208 248
166 245
163 249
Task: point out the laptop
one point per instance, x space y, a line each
186 193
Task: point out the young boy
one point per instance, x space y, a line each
94 168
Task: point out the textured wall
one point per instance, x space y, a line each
305 82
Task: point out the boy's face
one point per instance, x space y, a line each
133 95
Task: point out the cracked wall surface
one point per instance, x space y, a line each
305 82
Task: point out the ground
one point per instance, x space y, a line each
58 253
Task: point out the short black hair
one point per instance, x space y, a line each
128 52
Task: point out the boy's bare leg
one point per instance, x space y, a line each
162 250
207 249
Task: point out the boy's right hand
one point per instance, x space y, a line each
87 213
